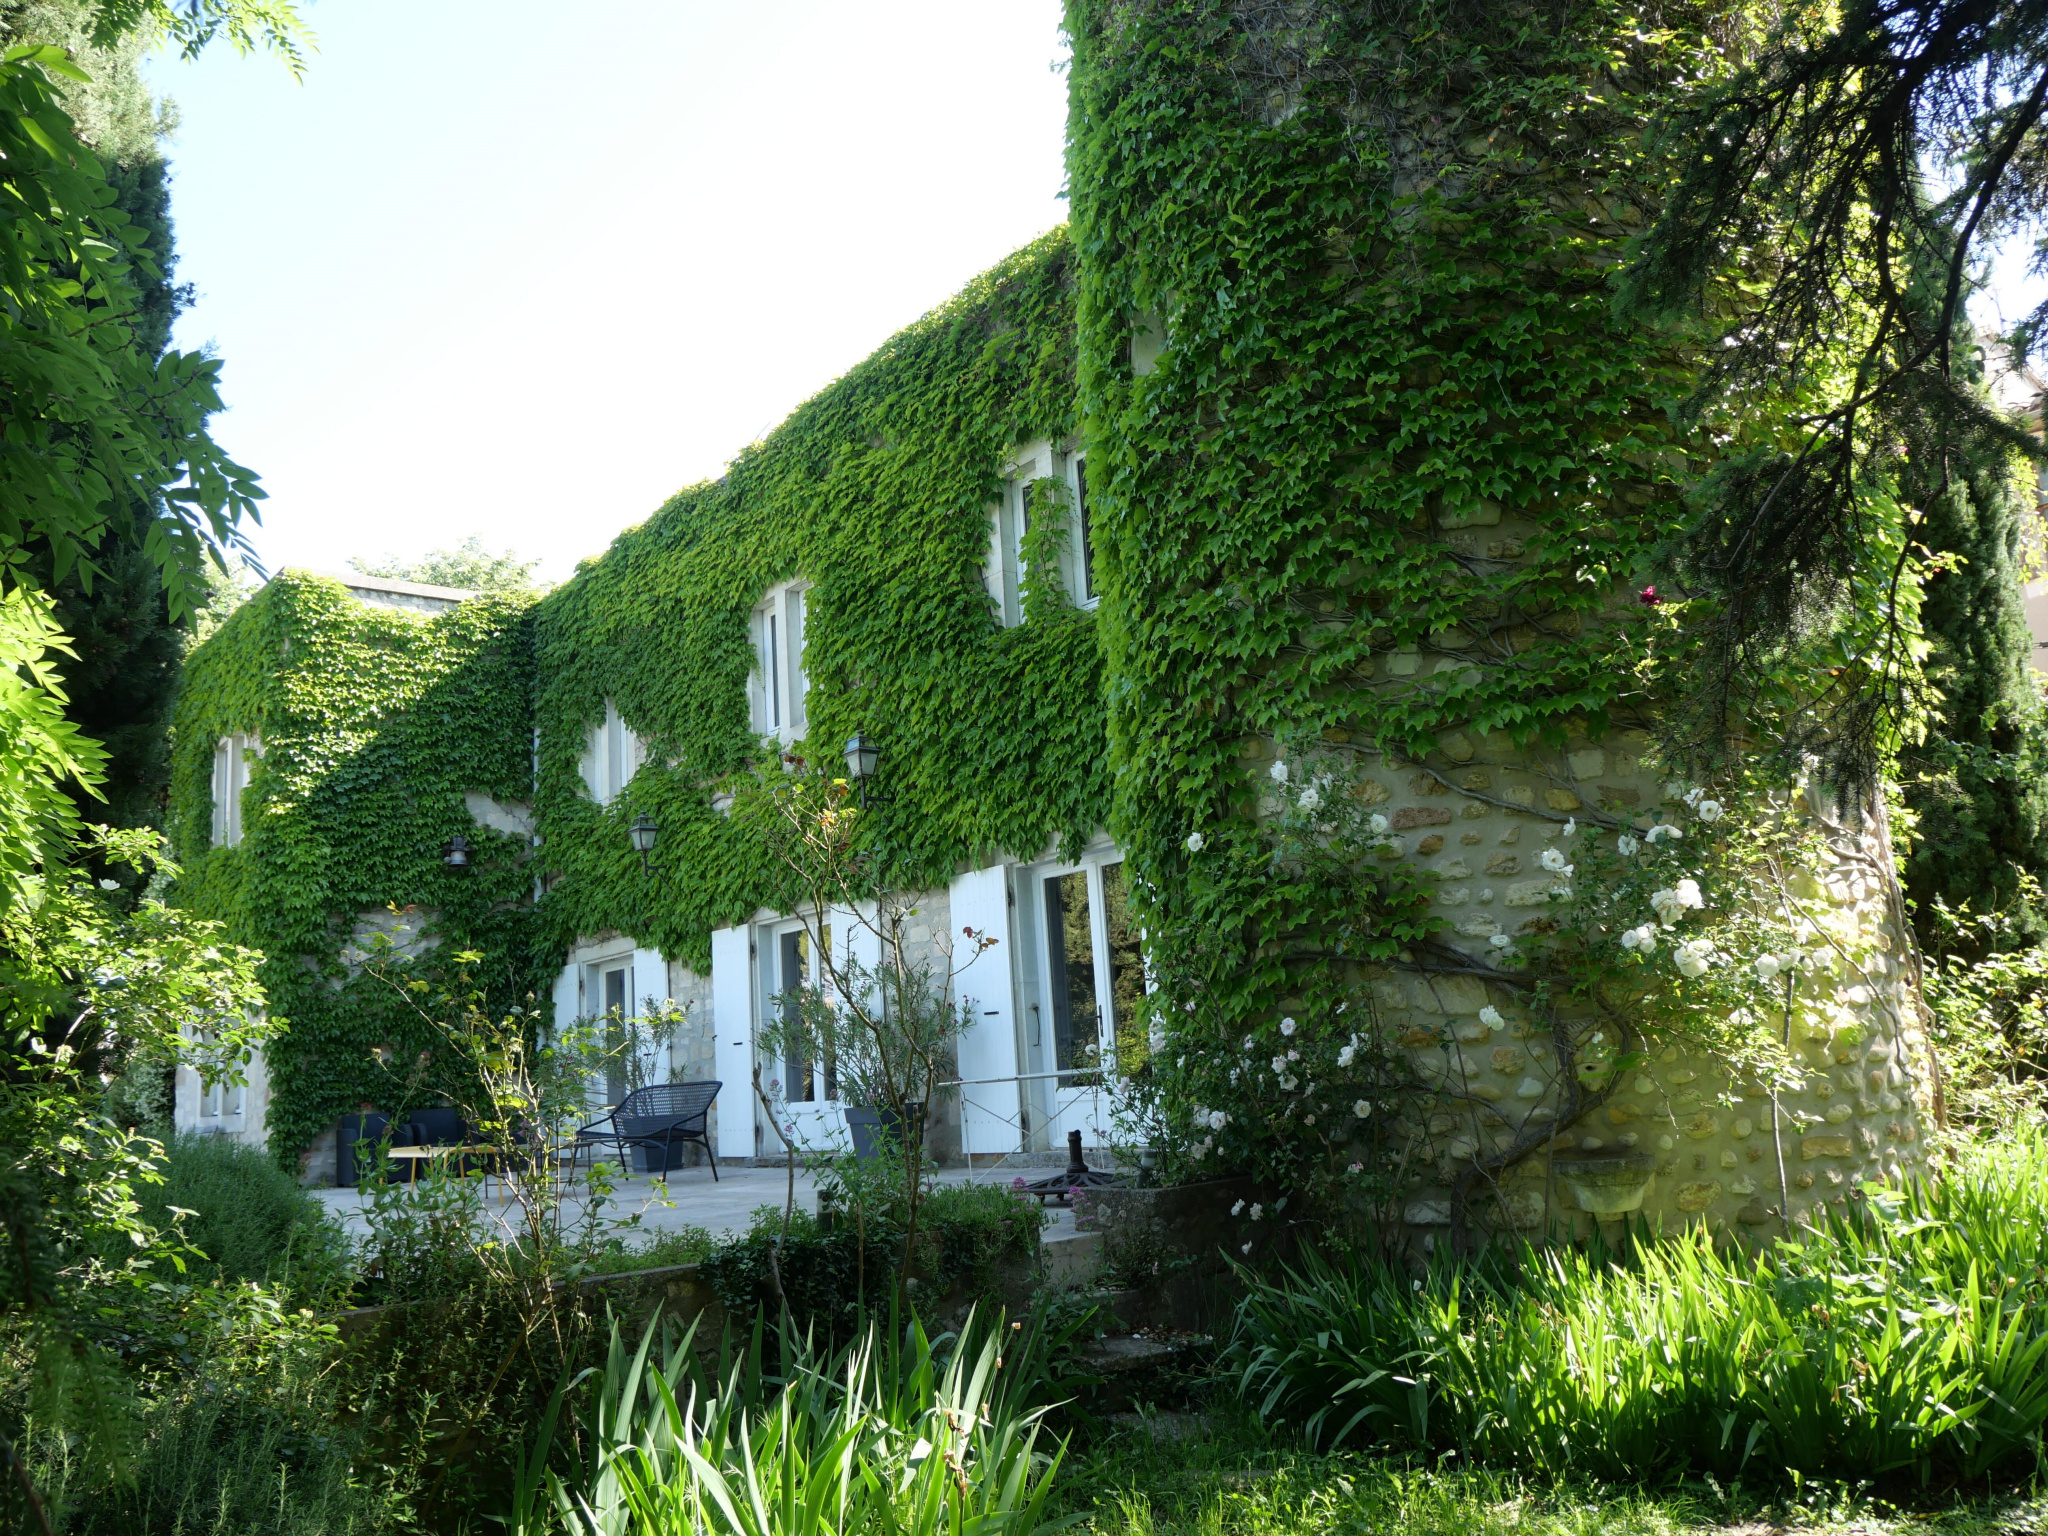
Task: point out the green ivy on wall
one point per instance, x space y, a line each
878 492
375 722
1398 473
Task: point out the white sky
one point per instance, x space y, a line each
503 269
506 269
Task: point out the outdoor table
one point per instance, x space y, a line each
417 1153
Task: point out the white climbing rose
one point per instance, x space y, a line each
1287 1026
1311 798
1674 902
1279 772
1694 957
1490 1017
1709 810
1626 844
1379 824
1196 842
1361 1109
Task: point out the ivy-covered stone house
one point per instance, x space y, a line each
1245 589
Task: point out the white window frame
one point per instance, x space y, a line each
1057 1105
231 757
1081 562
612 754
778 689
817 1124
1006 571
219 1100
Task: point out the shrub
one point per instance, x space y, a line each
830 1274
682 1245
229 1456
248 1217
1905 1334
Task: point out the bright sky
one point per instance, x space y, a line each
498 269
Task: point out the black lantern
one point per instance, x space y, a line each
642 834
862 758
457 854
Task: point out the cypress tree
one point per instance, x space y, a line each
124 677
1979 783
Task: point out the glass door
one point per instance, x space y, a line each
806 1092
1092 985
615 981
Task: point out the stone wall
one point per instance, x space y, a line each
1679 1139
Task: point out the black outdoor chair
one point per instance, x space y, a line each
666 1117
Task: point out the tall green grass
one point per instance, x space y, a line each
899 1435
1906 1334
246 1456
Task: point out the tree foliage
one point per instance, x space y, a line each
468 565
1831 197
90 419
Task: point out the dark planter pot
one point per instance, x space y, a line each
878 1130
659 1159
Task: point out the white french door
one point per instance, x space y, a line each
1091 987
805 1092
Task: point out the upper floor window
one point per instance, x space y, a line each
612 754
1081 580
1024 503
778 686
231 759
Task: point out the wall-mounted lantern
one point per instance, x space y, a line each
642 833
456 855
863 758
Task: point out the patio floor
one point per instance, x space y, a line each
691 1199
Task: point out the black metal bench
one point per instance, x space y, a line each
665 1116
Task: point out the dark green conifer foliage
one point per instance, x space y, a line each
1980 782
125 675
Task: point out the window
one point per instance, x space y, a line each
1008 524
219 1099
788 971
612 754
231 760
613 981
1011 522
1082 583
1095 973
779 685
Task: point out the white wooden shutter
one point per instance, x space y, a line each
990 1111
732 1017
568 996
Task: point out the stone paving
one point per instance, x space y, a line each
691 1199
